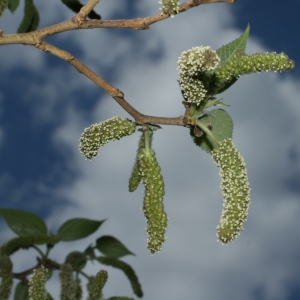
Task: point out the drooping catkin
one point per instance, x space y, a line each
153 200
37 284
135 177
235 189
68 285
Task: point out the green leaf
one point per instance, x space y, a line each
23 223
3 5
221 128
76 259
112 247
21 291
227 51
31 18
128 271
13 4
78 228
75 6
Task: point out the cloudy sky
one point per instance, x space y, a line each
45 104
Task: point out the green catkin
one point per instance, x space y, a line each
243 64
25 242
129 272
99 134
170 7
153 200
37 284
135 177
235 189
98 283
68 285
7 277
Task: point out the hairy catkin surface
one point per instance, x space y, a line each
153 201
235 188
99 134
37 284
67 282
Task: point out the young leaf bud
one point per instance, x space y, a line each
153 200
135 177
68 283
37 283
98 135
235 188
7 277
169 7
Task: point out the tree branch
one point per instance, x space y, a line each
35 38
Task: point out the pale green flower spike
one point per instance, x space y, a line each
37 284
169 7
153 200
192 66
135 176
235 188
68 284
98 283
99 134
7 277
246 64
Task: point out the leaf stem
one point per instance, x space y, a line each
207 131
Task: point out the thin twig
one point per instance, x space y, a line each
35 38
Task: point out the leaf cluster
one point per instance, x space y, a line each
32 232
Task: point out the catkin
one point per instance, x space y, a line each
235 188
153 200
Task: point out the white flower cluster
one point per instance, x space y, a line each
99 134
37 289
169 7
235 188
192 64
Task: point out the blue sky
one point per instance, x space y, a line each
45 104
